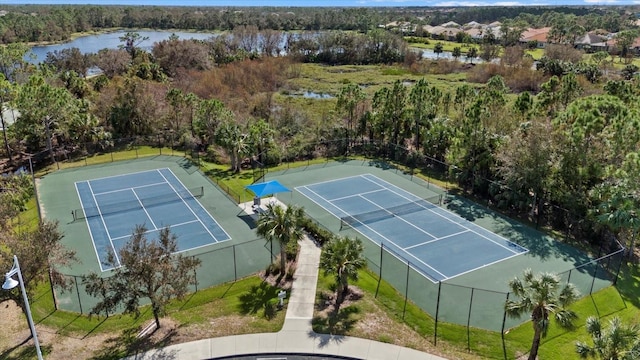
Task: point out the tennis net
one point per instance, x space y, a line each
398 210
180 194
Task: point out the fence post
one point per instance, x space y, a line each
504 321
53 293
379 270
195 277
569 277
406 290
235 265
593 280
615 280
75 280
435 330
469 321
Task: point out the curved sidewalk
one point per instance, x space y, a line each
296 335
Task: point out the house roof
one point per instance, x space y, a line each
590 39
439 30
472 24
539 35
450 24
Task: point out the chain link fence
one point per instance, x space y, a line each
474 307
217 266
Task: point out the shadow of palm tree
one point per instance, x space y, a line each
335 323
260 298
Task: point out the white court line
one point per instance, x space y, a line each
115 253
485 265
448 219
150 231
399 217
144 208
360 194
190 209
133 187
436 239
93 242
365 225
123 175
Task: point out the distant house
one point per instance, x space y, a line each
472 25
446 33
402 26
591 42
451 24
475 33
537 35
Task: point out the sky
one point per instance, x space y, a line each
332 3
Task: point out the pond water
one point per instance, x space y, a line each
316 95
95 43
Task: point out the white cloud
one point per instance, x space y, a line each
601 1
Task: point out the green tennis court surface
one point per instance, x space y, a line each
440 244
113 206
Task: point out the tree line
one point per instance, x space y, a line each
568 143
40 23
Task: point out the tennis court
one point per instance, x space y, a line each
113 207
440 244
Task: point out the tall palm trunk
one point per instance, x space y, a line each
283 258
533 354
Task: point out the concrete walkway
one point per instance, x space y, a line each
296 335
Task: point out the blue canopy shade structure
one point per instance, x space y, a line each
267 188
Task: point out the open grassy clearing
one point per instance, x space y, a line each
331 79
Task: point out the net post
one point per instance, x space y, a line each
435 330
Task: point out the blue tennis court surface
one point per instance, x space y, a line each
438 243
113 206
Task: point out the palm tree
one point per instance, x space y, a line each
617 342
343 257
540 295
281 225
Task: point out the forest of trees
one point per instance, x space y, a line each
33 23
557 144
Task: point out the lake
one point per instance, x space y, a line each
95 43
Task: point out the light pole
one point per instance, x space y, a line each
10 283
